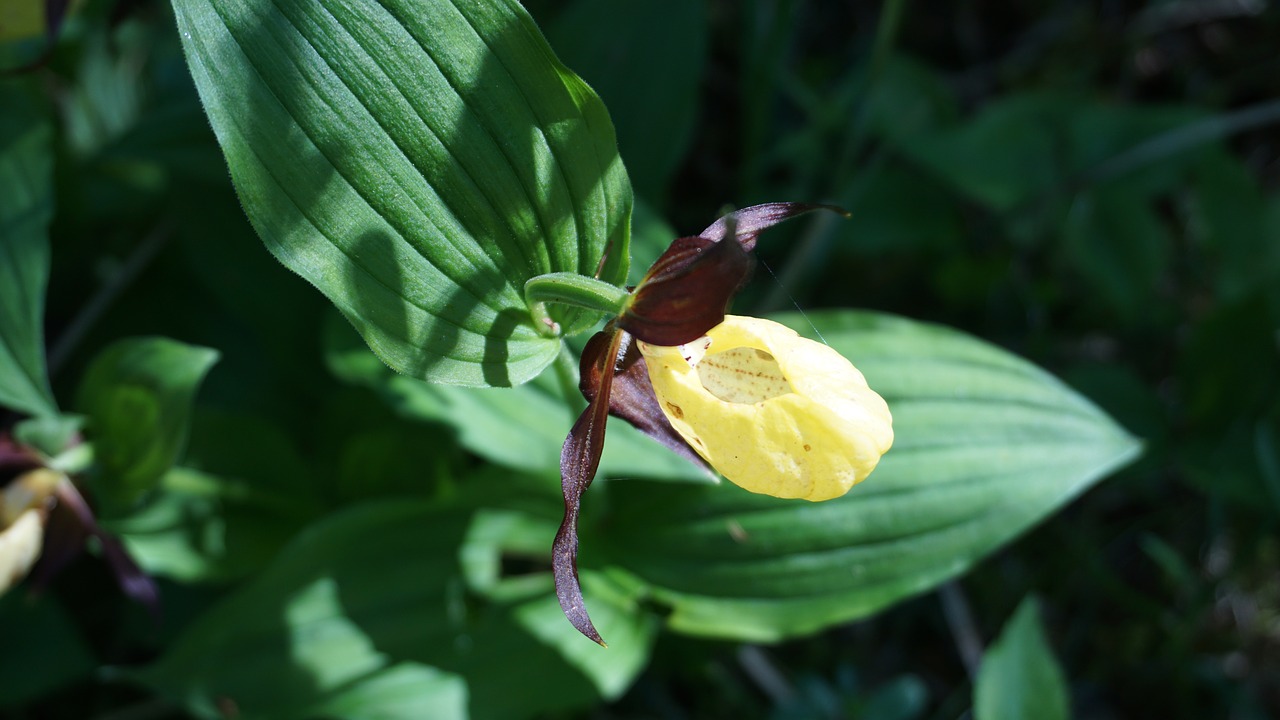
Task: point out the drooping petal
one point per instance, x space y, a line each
133 582
579 460
773 412
632 398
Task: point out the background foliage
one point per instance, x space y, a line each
1092 188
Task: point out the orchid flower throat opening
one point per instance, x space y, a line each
742 375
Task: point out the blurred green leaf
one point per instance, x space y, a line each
1228 221
1006 154
50 434
44 651
902 698
367 590
398 459
26 207
898 211
137 394
522 427
1020 679
203 528
407 690
986 446
1115 240
907 100
646 60
417 163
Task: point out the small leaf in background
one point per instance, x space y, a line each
1020 679
986 445
417 162
50 434
1004 155
137 394
1114 238
203 528
26 207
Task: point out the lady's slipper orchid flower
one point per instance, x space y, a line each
771 411
44 523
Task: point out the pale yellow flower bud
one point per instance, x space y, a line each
773 412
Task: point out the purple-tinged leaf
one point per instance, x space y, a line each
579 460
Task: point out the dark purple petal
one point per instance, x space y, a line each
579 460
633 400
15 459
134 583
64 537
687 291
747 223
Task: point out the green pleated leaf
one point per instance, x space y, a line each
26 207
986 445
374 588
522 428
1020 678
137 394
417 161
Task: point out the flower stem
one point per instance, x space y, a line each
566 368
568 288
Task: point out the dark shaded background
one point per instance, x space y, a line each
1095 186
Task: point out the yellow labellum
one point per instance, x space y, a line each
773 412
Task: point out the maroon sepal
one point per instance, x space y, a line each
687 291
633 398
15 459
746 224
133 582
579 460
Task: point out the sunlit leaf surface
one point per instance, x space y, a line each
417 162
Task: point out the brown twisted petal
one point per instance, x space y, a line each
579 460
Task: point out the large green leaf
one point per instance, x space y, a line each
374 588
986 445
1020 679
26 206
521 428
417 161
137 394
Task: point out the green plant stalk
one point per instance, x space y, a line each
566 369
566 288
